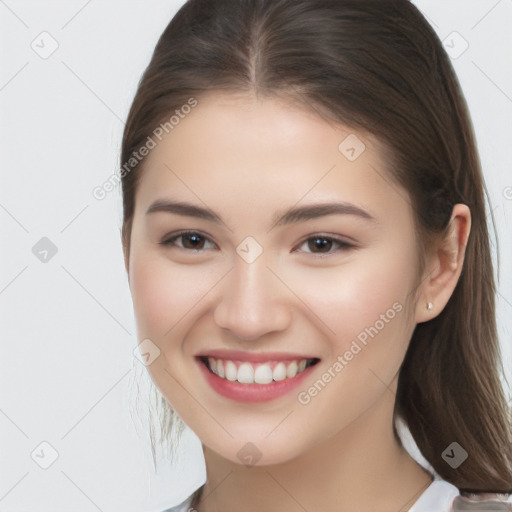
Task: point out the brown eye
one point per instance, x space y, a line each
324 245
188 240
192 241
320 244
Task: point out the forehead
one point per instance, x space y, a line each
258 127
240 150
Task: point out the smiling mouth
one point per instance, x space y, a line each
256 373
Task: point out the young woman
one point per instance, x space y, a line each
306 245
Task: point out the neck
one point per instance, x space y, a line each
363 468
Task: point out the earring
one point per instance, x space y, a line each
430 306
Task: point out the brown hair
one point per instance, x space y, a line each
376 66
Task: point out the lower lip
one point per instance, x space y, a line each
251 393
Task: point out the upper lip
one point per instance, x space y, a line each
253 357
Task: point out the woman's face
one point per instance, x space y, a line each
271 281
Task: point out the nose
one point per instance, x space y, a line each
253 301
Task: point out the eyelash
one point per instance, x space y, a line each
343 245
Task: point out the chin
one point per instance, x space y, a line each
257 452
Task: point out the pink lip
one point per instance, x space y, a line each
251 393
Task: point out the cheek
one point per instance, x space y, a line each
364 304
161 294
365 299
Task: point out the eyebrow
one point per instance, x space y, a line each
291 216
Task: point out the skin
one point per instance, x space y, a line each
248 158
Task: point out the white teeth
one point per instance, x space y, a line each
248 373
279 372
231 371
245 374
263 374
291 370
220 369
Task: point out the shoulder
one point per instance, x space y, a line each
442 496
184 506
439 496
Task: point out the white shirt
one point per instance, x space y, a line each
437 497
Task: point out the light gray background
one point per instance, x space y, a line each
68 332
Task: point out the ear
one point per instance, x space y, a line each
444 266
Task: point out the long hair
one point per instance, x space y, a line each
377 66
